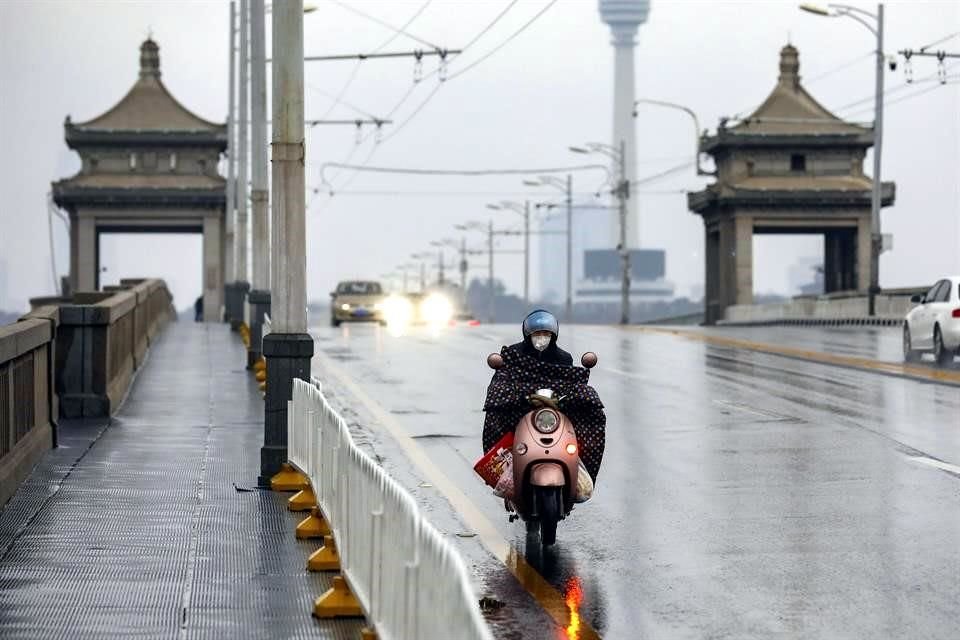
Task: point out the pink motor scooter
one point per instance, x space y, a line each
546 460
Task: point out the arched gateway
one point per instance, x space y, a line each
791 167
149 166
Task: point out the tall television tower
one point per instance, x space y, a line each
624 17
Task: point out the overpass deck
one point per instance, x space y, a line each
150 524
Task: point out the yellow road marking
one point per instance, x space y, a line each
551 600
865 364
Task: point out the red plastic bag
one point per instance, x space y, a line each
491 466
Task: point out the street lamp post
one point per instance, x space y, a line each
567 186
622 191
524 210
696 127
862 16
259 295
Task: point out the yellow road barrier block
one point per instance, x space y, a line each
325 558
288 479
261 375
338 602
368 633
245 334
302 500
260 364
313 526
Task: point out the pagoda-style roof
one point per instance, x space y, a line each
789 113
835 191
148 114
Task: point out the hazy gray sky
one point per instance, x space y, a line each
549 88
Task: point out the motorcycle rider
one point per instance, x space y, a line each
533 364
540 331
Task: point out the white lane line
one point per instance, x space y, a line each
946 466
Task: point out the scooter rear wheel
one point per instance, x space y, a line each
548 508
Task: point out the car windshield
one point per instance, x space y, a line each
359 288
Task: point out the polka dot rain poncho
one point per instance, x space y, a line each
522 376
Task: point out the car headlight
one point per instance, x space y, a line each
345 307
436 309
546 421
397 310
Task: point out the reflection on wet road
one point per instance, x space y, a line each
742 494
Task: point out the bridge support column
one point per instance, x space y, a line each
840 260
212 275
259 307
87 262
288 357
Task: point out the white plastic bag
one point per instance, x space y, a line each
584 484
504 488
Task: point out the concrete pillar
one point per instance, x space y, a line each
290 348
743 260
212 275
711 291
86 254
74 252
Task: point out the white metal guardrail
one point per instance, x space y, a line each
409 580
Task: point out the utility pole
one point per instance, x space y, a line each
440 267
288 349
876 237
228 276
623 193
240 237
568 303
259 296
463 271
490 313
526 252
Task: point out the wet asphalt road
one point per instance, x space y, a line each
742 495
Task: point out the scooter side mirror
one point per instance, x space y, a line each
495 361
589 360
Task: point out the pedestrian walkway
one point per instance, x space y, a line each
152 525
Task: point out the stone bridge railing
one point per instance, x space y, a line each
28 402
71 358
833 309
102 339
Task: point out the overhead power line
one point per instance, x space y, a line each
892 90
356 68
839 68
505 42
460 72
464 172
949 80
398 30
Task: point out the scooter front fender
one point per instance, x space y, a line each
547 474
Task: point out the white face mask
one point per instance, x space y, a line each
540 342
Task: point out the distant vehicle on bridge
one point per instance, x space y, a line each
933 326
357 301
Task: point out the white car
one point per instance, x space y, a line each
933 326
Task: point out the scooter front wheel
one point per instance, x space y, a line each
549 505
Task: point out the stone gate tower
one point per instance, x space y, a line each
791 167
148 166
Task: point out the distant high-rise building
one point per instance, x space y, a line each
596 267
624 18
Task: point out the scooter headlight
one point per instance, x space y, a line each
546 421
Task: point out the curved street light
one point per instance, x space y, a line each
863 17
696 127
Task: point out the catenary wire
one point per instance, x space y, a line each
363 14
